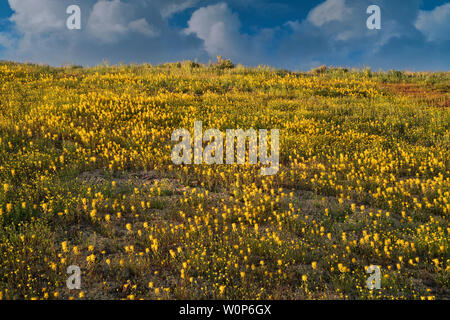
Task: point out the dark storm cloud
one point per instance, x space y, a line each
119 31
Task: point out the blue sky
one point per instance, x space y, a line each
296 35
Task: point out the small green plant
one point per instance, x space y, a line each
224 64
320 70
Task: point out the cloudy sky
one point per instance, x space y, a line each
296 35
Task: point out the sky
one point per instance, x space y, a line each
294 35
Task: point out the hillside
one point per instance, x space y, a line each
86 179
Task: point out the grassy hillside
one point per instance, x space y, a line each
86 179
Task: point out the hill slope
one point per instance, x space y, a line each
86 179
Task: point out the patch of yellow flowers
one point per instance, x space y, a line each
87 180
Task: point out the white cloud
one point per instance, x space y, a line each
37 16
179 6
218 27
335 33
330 10
111 20
141 26
435 24
113 30
108 20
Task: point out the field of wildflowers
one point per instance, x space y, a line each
86 179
